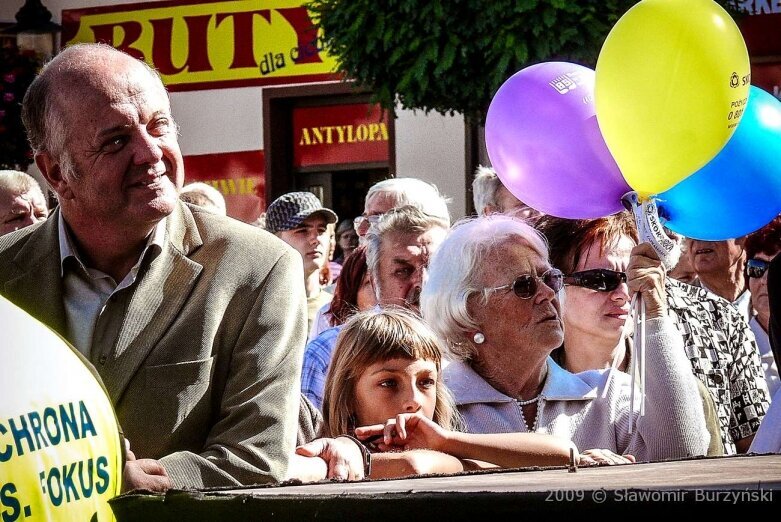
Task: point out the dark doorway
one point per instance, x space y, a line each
342 191
341 182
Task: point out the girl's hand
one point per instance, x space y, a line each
596 457
407 431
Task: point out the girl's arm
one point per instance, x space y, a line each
396 464
508 450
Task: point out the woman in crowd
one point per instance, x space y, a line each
761 247
598 325
385 375
346 241
353 293
493 295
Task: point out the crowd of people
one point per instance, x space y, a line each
394 344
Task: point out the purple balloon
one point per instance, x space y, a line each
544 142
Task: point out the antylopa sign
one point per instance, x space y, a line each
208 45
340 134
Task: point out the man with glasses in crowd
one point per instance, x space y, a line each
397 192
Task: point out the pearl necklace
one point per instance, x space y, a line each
521 404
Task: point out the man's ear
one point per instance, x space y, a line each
52 171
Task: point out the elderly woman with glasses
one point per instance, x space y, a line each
493 296
761 247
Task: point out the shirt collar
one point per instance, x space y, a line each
68 249
468 387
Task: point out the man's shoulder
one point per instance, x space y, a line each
13 243
231 236
323 344
685 299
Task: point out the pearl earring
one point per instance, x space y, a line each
478 338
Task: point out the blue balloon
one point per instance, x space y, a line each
738 191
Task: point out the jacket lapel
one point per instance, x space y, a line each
162 291
38 288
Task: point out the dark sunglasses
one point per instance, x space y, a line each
600 279
525 286
756 268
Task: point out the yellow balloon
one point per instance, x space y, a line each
60 448
672 80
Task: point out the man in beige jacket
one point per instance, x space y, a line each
195 322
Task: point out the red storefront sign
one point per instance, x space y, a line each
762 32
202 44
240 176
340 134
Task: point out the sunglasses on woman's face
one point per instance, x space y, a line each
600 279
756 268
526 286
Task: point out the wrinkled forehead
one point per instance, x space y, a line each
129 84
510 258
412 244
380 203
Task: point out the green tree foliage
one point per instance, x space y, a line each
452 56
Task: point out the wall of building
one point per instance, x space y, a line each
430 147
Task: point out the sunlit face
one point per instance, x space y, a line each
514 327
21 209
348 240
122 144
758 288
311 240
388 388
595 314
403 266
376 205
715 258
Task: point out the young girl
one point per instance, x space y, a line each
385 377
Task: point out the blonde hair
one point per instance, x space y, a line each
374 336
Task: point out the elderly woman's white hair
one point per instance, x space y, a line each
204 196
484 189
454 274
415 192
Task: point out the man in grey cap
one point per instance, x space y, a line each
300 220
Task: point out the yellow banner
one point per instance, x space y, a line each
60 450
196 45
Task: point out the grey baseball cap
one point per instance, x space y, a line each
289 210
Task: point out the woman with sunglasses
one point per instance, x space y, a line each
594 254
494 297
761 247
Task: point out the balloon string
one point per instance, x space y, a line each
637 371
642 356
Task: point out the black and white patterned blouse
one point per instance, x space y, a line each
724 356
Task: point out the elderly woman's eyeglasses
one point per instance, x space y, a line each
756 268
526 287
600 279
